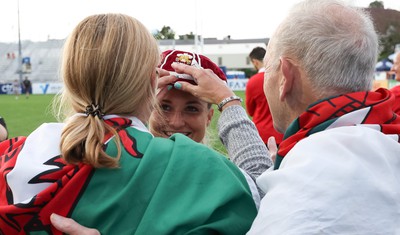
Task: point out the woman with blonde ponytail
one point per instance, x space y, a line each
101 166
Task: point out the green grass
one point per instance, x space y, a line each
23 115
216 143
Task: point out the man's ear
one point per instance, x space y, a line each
290 73
253 62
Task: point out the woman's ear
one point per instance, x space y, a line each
209 116
154 78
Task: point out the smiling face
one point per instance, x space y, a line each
181 112
396 66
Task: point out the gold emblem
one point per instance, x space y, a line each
184 58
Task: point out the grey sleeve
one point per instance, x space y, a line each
242 141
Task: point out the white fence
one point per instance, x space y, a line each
55 87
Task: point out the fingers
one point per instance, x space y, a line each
272 147
210 87
272 144
69 226
200 75
185 69
162 72
195 90
166 80
161 92
163 83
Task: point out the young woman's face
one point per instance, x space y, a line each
181 112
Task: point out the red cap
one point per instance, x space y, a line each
189 58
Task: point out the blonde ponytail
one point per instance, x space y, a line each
108 60
82 140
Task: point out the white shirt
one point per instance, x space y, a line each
345 180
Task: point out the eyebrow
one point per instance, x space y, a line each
190 102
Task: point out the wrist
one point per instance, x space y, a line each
228 101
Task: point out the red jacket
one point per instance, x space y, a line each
257 107
396 91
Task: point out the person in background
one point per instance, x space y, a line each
101 166
396 89
27 87
16 88
3 129
341 147
256 103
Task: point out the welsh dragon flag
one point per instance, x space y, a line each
163 186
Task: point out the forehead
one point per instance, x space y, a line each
177 96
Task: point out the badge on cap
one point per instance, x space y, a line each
184 58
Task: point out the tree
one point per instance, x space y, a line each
377 4
388 41
387 24
186 36
165 33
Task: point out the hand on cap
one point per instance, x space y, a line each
209 88
165 79
69 226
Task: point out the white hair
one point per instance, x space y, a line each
335 43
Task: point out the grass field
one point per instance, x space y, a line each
23 115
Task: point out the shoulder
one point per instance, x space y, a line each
350 142
51 128
327 167
10 145
183 151
396 90
256 79
353 149
49 133
45 138
185 146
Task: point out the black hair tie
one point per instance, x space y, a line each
94 110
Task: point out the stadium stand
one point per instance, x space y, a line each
44 58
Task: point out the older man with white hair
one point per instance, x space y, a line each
337 168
